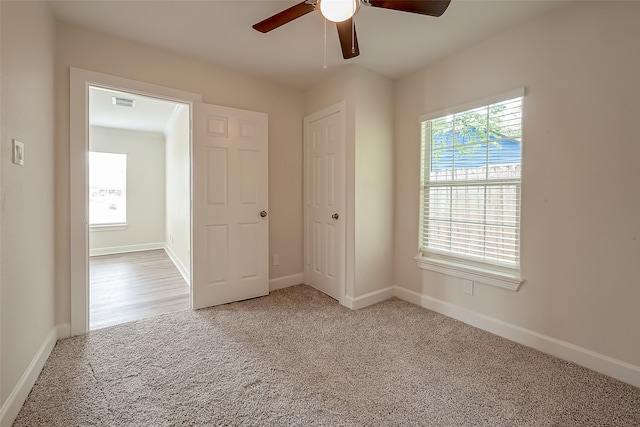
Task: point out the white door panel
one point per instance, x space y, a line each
325 153
230 190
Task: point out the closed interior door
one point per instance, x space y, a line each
324 201
230 205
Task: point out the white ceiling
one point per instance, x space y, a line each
392 43
148 114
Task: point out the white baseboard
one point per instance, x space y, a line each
285 281
125 249
184 272
369 299
19 394
564 350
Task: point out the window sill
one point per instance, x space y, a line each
108 227
503 278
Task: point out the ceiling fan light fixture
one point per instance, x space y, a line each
338 10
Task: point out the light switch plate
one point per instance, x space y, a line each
18 152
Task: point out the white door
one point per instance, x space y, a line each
230 223
324 200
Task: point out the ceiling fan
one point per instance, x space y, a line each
342 11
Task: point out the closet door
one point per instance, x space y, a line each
324 201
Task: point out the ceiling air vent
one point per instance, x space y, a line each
123 102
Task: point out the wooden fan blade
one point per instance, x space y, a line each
287 15
345 31
423 7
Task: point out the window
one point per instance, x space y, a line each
107 189
470 187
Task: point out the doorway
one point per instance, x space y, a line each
139 206
80 82
229 196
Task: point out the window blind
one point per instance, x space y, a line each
471 183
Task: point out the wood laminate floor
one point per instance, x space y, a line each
133 286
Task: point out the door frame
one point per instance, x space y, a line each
338 108
79 82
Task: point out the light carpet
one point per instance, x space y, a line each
296 357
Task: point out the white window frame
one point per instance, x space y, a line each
495 274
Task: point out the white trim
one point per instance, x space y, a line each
176 261
369 299
126 249
285 281
64 330
79 82
601 363
108 227
326 112
507 280
19 394
504 96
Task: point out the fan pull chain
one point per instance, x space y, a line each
325 45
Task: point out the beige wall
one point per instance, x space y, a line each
27 212
145 187
580 204
369 160
178 196
2 157
96 52
374 188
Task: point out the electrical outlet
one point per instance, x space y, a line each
18 152
467 287
275 259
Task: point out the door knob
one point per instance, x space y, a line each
335 216
263 214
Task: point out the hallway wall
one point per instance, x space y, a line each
27 196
